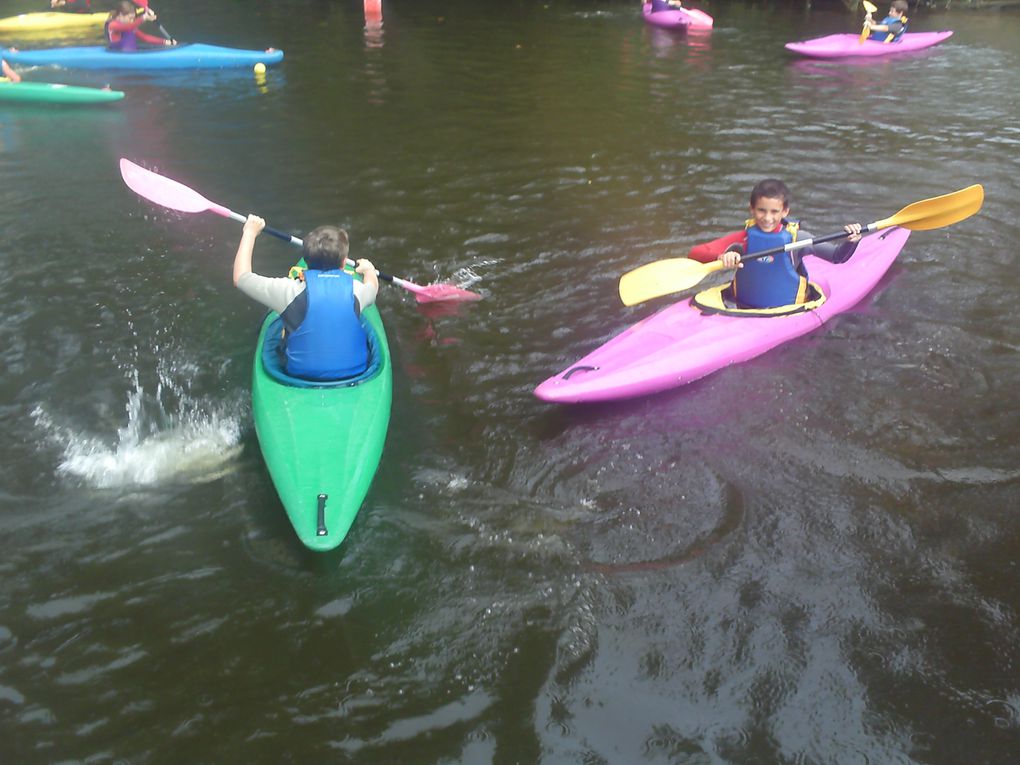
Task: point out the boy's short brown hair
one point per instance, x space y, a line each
326 248
770 188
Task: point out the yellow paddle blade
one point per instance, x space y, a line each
937 211
663 277
870 8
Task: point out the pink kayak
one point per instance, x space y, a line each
845 46
677 18
680 343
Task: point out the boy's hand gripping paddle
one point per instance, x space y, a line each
870 8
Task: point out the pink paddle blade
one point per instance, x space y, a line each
433 293
164 191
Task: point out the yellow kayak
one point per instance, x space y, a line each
33 22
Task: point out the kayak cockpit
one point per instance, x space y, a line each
718 301
272 360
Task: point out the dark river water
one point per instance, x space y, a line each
807 558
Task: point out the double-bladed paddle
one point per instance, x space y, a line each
870 8
144 5
176 196
683 275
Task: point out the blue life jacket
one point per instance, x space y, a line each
773 280
328 341
884 37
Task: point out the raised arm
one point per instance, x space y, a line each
245 249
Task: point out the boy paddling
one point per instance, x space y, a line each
892 27
324 339
774 280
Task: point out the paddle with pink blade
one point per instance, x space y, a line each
176 196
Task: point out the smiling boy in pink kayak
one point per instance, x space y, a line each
774 280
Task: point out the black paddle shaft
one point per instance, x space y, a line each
797 245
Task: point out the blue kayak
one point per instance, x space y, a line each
192 56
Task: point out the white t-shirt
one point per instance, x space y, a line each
277 292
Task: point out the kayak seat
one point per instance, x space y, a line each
272 360
719 301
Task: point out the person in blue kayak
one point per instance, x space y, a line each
321 309
774 280
892 27
122 28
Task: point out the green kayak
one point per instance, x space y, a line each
322 442
50 93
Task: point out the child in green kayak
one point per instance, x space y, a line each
323 335
773 280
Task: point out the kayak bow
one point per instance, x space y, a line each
676 18
52 93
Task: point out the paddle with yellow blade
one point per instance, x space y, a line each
683 275
870 8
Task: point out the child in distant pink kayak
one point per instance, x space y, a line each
665 5
774 280
122 28
892 27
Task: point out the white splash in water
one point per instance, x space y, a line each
465 278
154 446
